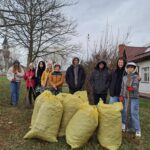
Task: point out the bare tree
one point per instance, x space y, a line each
38 25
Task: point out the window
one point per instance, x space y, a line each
145 74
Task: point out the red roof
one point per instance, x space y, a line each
133 53
141 56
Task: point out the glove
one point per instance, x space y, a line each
121 98
130 88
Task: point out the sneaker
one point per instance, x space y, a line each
138 134
123 127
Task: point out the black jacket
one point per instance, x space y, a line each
100 79
39 73
70 79
115 82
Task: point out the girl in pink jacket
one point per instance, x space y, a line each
29 76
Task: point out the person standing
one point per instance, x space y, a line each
75 76
29 77
100 82
39 72
116 80
14 75
46 75
130 95
56 80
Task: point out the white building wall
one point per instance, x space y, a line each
144 87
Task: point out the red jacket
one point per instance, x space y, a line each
29 76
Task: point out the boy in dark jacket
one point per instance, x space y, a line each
75 76
130 89
100 82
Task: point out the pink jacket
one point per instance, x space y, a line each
29 76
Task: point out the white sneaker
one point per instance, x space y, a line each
138 134
123 127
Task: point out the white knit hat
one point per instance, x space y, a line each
131 64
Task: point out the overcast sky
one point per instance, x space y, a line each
92 17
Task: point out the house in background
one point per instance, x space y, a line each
141 56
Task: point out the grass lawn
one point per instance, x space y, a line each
15 122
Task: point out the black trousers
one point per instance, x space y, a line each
31 95
72 91
98 96
56 92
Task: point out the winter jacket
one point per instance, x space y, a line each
57 79
115 82
100 79
134 83
45 77
11 75
29 76
39 73
70 78
116 79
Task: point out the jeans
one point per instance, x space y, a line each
113 99
98 96
134 121
14 89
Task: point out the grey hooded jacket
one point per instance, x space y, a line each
134 83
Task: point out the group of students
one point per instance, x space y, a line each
121 83
44 77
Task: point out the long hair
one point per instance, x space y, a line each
124 63
41 70
16 67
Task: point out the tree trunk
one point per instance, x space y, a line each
29 57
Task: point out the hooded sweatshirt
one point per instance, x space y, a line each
134 82
75 76
100 79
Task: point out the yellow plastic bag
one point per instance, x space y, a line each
82 126
71 104
83 95
109 130
48 120
62 96
46 95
